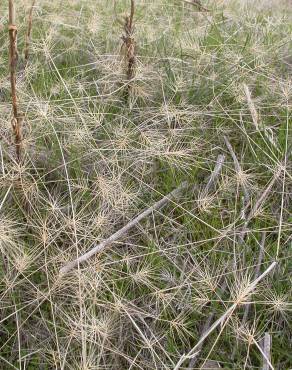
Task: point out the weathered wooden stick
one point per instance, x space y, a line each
267 351
117 235
218 167
135 221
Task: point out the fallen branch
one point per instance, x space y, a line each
117 235
267 352
13 58
223 319
135 221
28 33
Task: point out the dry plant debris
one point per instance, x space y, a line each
174 163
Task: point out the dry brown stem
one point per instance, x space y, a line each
129 44
28 33
13 58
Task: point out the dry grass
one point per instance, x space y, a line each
200 278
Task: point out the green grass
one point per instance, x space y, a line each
93 159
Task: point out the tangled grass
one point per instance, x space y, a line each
205 281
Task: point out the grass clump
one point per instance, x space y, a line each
203 281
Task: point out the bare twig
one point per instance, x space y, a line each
225 317
13 58
117 235
216 172
28 33
267 351
265 194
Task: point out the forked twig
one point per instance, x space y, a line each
13 58
117 235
